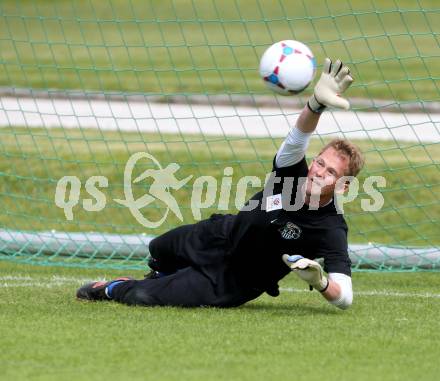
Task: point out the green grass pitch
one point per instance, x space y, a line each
390 333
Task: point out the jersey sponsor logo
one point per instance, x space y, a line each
274 203
290 231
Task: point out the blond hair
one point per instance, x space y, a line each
351 151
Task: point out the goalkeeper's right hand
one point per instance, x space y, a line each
335 79
309 271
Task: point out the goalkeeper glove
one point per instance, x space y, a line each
335 79
309 271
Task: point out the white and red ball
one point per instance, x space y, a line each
287 67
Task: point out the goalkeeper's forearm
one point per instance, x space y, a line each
307 120
293 148
339 291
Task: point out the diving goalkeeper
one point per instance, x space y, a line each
228 260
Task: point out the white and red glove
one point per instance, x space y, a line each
335 79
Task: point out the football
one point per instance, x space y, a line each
287 67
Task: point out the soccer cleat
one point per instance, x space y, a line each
98 290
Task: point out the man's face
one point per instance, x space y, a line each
324 171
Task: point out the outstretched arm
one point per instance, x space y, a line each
335 79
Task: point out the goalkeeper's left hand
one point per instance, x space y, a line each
309 271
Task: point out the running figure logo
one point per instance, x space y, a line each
164 179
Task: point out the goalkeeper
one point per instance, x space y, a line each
228 260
